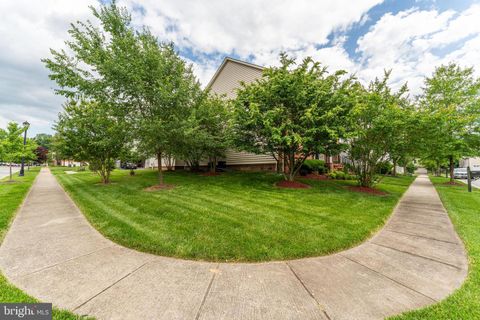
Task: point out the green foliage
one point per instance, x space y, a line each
384 167
133 73
410 168
291 112
207 132
44 140
450 112
92 132
314 165
12 148
340 175
374 122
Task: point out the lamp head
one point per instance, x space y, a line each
26 124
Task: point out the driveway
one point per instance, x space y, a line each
4 171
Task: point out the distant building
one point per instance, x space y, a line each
474 163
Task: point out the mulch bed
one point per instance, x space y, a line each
313 176
292 185
368 190
159 187
454 183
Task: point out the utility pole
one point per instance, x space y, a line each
469 177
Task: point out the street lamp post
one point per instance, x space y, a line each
22 168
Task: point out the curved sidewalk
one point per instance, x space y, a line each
52 253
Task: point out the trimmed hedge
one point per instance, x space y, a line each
313 165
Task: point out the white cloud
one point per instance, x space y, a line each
27 30
411 42
258 27
414 42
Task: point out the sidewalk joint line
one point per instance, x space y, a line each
306 289
65 261
418 255
420 236
389 278
199 311
111 285
415 222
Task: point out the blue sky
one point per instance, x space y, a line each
363 37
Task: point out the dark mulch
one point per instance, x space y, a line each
367 190
160 187
292 185
453 183
314 176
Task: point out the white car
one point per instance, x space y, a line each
460 173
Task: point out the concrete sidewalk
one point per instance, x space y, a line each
53 254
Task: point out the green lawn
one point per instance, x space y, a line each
231 217
11 196
464 210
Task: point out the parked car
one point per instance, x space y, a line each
460 173
128 165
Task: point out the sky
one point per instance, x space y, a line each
365 37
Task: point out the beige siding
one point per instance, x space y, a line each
245 158
228 79
225 82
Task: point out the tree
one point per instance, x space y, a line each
12 149
41 154
374 122
290 112
403 144
130 70
94 133
206 133
44 140
450 106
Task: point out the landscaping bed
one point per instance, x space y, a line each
232 217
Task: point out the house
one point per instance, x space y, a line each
226 80
474 163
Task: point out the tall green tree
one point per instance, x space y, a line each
92 132
374 122
292 112
450 106
130 70
12 148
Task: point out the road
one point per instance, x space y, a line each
475 183
4 171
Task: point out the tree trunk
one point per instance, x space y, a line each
394 171
213 165
451 168
160 172
10 171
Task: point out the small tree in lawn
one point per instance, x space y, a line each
12 149
291 112
92 132
450 105
373 127
214 126
404 143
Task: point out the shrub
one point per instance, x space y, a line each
410 168
384 167
313 165
340 175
